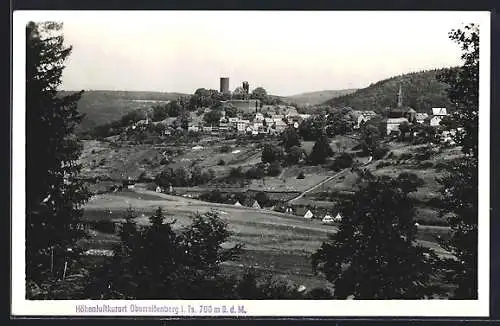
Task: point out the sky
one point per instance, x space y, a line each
285 52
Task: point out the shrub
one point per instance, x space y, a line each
379 152
221 162
383 164
343 161
274 169
225 149
301 175
426 165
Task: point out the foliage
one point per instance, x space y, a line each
340 121
460 183
184 177
343 161
212 117
274 169
312 128
54 192
290 138
272 153
320 151
374 255
422 92
294 155
259 93
301 175
404 128
157 263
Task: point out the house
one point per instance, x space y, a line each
437 115
233 120
237 204
338 218
392 124
327 219
197 148
308 214
241 125
420 117
193 128
259 117
289 210
256 205
159 189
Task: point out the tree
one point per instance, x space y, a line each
154 262
54 193
404 128
271 153
274 169
374 254
290 138
259 93
212 117
321 150
460 183
340 122
240 94
231 111
294 155
312 128
370 138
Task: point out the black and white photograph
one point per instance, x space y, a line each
251 163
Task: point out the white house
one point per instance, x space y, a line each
193 128
420 117
327 219
308 214
237 203
393 124
256 205
241 125
159 189
437 115
338 218
259 116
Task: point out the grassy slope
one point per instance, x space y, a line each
101 107
421 90
314 98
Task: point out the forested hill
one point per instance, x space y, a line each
101 107
421 90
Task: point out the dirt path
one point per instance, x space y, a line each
316 186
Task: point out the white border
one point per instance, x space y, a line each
368 308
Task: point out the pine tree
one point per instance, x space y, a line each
54 194
321 150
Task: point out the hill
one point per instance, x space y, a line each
421 90
102 107
315 98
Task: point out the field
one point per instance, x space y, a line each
273 242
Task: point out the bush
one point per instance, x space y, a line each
343 161
426 165
301 175
221 162
274 169
225 149
383 164
379 152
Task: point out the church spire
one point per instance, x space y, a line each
400 97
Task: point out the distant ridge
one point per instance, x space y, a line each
318 97
421 91
103 106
